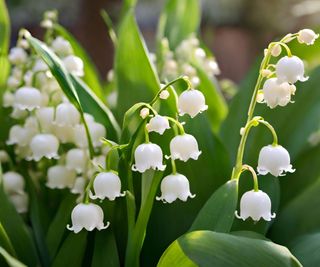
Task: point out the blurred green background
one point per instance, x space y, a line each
236 30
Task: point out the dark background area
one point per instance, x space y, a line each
235 30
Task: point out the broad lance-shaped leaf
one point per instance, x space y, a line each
11 261
306 249
91 76
217 214
76 91
136 79
206 248
178 20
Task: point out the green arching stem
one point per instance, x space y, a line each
282 44
270 127
246 167
146 134
183 78
87 191
176 122
174 167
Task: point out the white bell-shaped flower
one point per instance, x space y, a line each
88 216
307 36
290 69
175 186
184 147
74 65
18 56
13 183
148 156
65 134
4 156
18 114
276 93
13 82
20 135
274 160
96 130
79 185
107 185
158 124
40 66
61 46
20 202
44 145
77 159
191 102
67 114
45 116
255 204
27 98
60 177
7 99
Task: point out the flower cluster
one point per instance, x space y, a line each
184 58
278 87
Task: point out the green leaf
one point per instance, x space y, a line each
4 44
206 248
105 252
300 216
136 79
59 223
178 20
12 262
217 214
91 76
72 250
17 232
217 107
307 249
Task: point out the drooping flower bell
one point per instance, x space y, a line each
107 185
88 216
13 183
274 160
290 69
276 93
191 102
20 202
45 116
255 204
17 56
44 145
184 147
20 135
60 177
61 46
78 186
74 65
27 98
175 186
77 159
67 115
158 124
148 156
307 36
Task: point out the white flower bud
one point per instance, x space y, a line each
144 112
307 36
20 202
18 114
97 131
74 65
27 98
45 116
164 94
88 216
184 147
19 135
4 157
77 159
276 50
199 53
148 156
23 44
13 82
13 183
28 78
65 134
175 186
60 177
47 24
212 66
276 93
265 72
17 56
158 124
8 99
255 204
79 186
67 114
191 102
274 159
44 145
40 66
107 185
61 46
290 69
